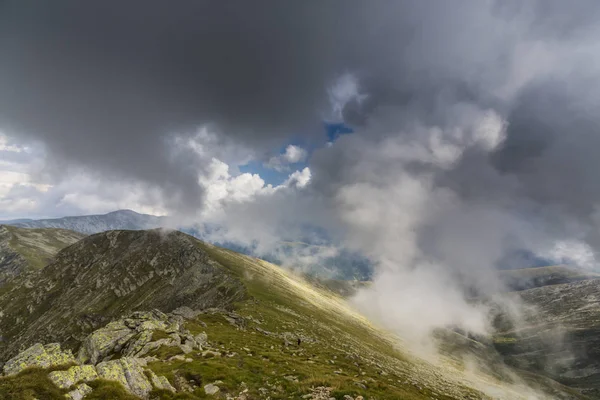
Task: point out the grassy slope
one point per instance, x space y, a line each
38 246
339 348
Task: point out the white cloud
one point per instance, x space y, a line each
344 90
573 252
291 155
299 179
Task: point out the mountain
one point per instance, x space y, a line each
106 275
342 265
161 315
90 224
23 250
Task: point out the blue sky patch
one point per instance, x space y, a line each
336 129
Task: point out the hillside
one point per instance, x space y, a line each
30 249
106 275
168 316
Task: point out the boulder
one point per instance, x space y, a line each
75 374
40 356
104 341
129 372
211 389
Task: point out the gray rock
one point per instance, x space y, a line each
211 389
104 341
132 337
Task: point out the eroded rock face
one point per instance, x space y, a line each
39 355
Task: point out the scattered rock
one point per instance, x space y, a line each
320 393
211 389
38 355
210 353
182 385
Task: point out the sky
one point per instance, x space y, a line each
437 139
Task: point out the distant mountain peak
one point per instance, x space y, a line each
90 224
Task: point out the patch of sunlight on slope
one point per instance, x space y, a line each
278 284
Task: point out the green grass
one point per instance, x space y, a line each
158 335
108 390
336 351
29 384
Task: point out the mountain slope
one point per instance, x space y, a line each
272 334
560 334
527 278
29 249
106 275
90 224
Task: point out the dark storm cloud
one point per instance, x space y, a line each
102 84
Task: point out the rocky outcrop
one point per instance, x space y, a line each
40 356
115 352
134 336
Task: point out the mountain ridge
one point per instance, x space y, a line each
95 223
